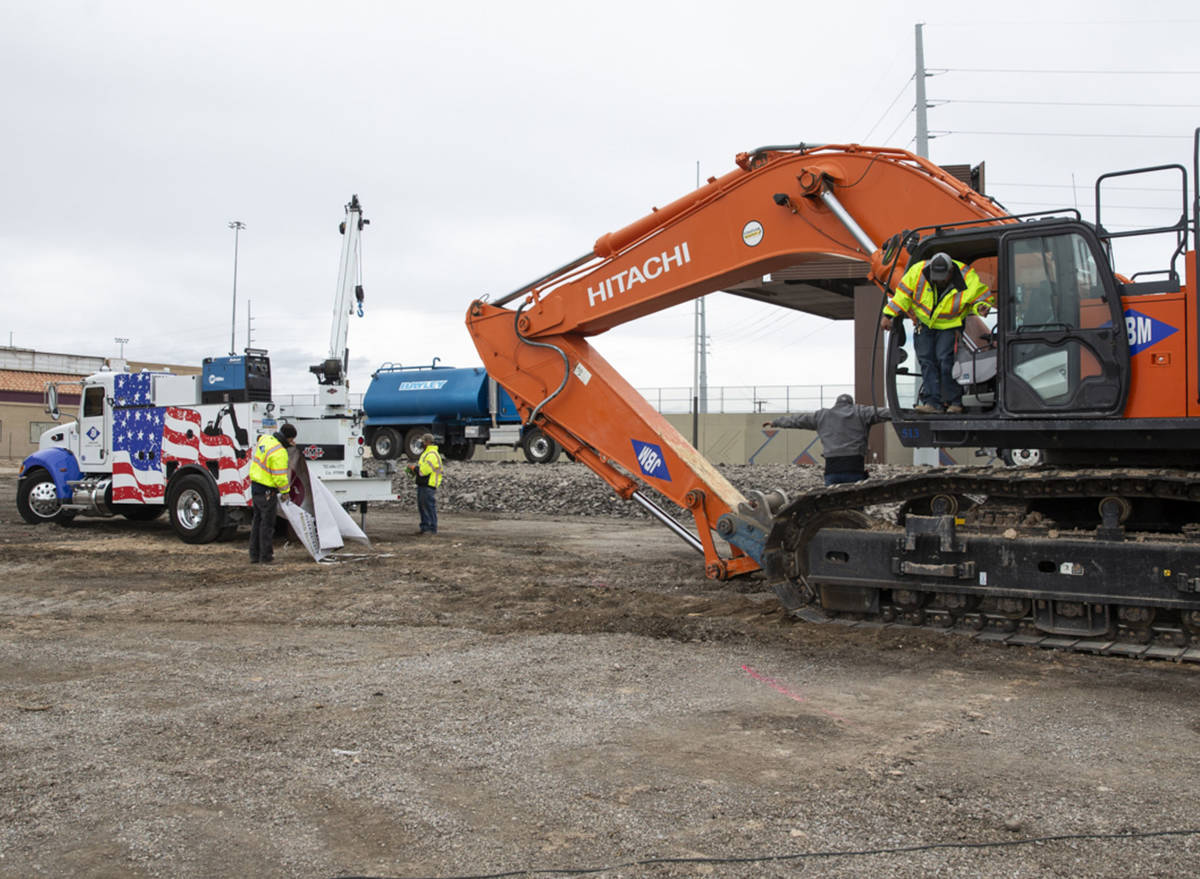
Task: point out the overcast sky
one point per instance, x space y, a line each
491 142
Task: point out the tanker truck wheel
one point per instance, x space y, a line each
412 442
386 444
196 514
539 448
461 452
37 499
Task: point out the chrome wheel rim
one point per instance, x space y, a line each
189 509
43 500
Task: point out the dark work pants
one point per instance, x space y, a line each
262 526
935 353
427 505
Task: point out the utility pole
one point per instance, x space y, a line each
922 106
700 353
927 457
237 226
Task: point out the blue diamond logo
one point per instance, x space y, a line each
1144 331
92 433
650 459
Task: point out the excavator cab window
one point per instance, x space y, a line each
1062 353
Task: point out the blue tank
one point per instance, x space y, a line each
404 402
401 395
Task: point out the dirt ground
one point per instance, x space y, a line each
544 695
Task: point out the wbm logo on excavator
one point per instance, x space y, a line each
650 459
626 280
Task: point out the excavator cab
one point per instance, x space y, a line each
1050 361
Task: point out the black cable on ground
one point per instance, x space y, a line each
845 853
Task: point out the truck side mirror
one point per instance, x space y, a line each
52 400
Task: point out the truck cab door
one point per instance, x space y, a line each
93 428
1063 344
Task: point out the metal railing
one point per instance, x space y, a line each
731 399
747 398
355 400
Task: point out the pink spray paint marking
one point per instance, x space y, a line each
799 697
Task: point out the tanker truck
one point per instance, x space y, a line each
461 407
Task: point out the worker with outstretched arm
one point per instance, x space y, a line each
268 484
937 293
843 429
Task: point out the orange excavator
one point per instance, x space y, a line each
1096 370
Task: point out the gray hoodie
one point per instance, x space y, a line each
842 430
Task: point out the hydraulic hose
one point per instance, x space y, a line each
566 362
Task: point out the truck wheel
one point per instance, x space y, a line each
462 452
196 514
37 499
539 448
412 442
385 445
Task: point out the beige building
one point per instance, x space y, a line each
24 376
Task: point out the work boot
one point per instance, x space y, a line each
954 408
926 409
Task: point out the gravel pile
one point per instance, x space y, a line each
570 489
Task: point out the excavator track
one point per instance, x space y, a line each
1165 643
1100 561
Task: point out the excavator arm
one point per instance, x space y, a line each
777 208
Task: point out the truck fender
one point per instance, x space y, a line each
60 464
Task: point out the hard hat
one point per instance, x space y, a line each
939 267
427 439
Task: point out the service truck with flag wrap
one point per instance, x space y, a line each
145 442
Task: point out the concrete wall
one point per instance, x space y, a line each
17 420
741 439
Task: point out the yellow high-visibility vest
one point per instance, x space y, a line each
430 464
938 309
269 465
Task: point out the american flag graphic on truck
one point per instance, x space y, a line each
147 439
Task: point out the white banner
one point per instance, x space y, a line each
321 523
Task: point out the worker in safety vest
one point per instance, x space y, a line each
268 483
937 294
428 475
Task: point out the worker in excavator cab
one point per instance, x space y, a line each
268 484
938 293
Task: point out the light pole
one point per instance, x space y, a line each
121 341
237 226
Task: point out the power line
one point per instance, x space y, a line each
1071 134
1024 70
1073 186
899 95
1127 207
1138 104
897 128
